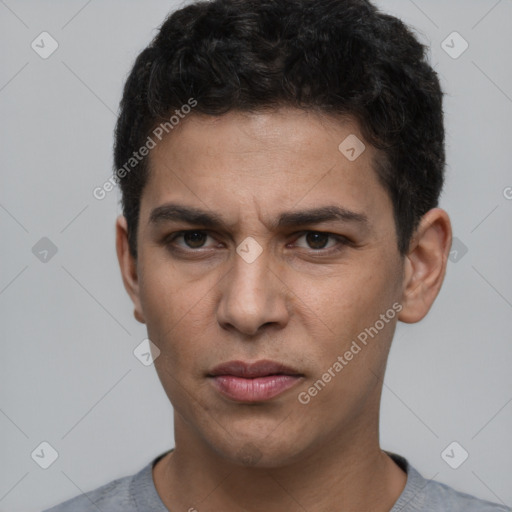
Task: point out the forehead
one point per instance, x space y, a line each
269 161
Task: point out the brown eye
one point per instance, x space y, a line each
321 243
317 240
194 239
190 242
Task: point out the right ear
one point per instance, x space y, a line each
128 266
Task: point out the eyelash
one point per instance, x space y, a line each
342 241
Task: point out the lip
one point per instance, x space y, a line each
261 368
253 382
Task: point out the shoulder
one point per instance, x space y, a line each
115 493
127 494
422 495
441 497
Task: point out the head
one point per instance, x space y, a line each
301 145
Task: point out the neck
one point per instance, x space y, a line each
348 472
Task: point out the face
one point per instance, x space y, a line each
289 255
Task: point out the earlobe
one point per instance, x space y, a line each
425 265
128 267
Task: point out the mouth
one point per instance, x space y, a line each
253 382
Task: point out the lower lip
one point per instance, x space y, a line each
254 390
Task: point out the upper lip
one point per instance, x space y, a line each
246 370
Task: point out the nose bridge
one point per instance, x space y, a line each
249 272
250 296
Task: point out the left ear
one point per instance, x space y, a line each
425 265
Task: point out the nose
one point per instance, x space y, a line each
253 297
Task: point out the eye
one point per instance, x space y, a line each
192 239
319 240
316 241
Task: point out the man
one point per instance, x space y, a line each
281 163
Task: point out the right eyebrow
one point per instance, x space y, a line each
188 214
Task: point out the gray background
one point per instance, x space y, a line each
68 375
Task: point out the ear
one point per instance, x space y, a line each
128 265
425 265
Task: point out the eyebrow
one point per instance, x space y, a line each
195 216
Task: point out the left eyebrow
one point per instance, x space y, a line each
322 214
195 216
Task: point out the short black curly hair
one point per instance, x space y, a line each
339 57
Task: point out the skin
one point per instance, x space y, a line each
301 303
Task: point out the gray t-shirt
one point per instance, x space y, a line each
137 493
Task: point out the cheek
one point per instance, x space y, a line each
167 295
178 313
347 309
342 301
180 335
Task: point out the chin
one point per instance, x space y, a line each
260 451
